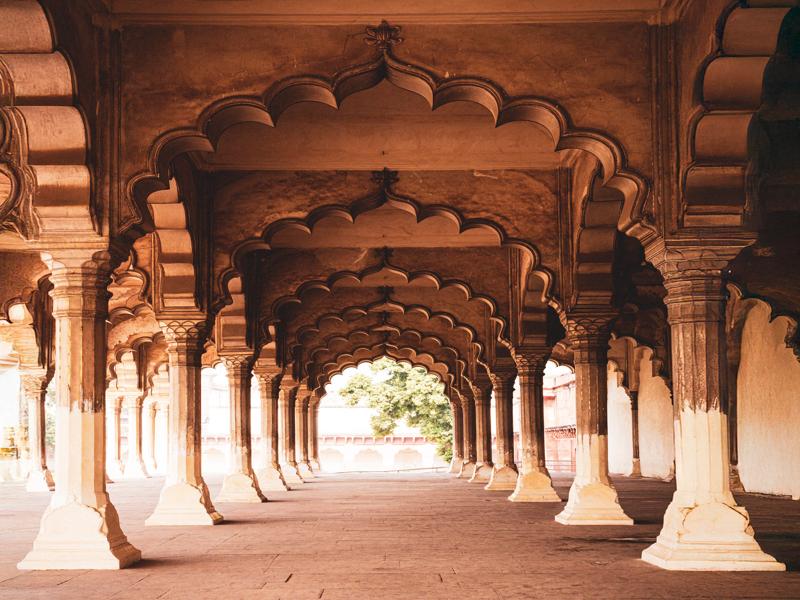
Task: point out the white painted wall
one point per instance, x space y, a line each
769 407
620 436
656 425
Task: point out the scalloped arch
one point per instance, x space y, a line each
355 339
410 278
725 138
351 312
371 353
330 91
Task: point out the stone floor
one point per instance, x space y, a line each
393 536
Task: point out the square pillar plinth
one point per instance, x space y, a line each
76 536
482 473
270 479
182 503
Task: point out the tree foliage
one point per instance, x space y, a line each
400 391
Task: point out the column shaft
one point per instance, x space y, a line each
504 472
704 528
636 467
313 434
116 466
134 464
149 437
301 434
80 528
240 484
458 437
34 388
482 394
533 483
269 475
468 415
184 498
592 497
286 402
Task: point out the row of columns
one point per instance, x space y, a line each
147 424
704 528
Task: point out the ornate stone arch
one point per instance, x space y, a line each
369 355
45 179
267 108
720 184
364 278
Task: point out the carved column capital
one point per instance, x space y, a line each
33 383
481 388
289 388
185 338
694 278
503 380
238 361
589 331
691 258
530 361
80 284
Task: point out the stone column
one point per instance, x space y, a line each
269 475
592 497
301 433
458 437
313 433
470 457
482 393
733 356
149 437
162 435
80 528
504 473
115 467
533 483
184 498
134 464
240 484
286 401
34 387
636 466
704 528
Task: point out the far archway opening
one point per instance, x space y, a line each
385 415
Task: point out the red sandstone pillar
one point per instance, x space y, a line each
533 483
80 528
184 499
592 497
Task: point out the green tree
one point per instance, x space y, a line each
400 391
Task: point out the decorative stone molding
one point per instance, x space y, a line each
721 182
45 180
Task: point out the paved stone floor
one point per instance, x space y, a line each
393 536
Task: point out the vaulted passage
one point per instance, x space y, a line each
577 219
347 537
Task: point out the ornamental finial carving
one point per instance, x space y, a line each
383 37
